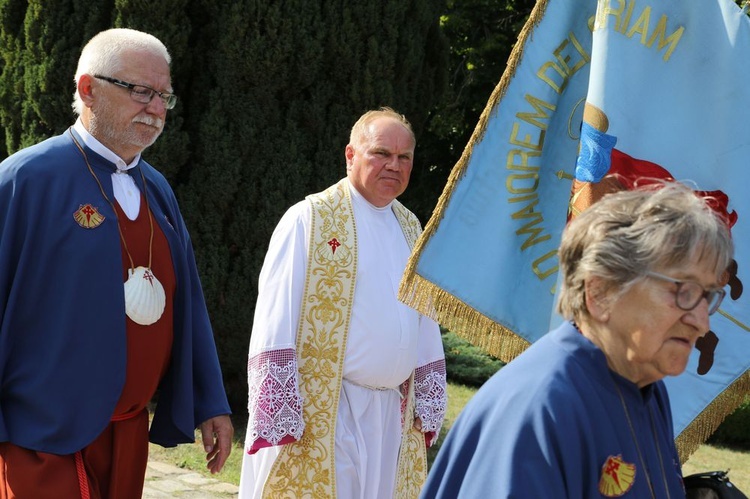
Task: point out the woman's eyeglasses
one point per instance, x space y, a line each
690 293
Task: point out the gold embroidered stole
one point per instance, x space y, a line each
412 457
307 469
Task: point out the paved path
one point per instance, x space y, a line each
166 480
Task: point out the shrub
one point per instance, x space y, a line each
735 429
467 364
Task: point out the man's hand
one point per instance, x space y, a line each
217 436
417 424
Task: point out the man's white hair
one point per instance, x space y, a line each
103 54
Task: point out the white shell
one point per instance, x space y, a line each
144 296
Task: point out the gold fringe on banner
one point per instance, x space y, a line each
703 426
429 298
456 316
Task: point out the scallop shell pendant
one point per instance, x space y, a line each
144 296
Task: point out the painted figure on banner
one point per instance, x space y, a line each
602 169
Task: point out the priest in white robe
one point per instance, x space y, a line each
341 375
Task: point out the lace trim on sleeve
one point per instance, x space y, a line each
274 402
431 395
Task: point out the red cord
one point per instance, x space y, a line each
83 482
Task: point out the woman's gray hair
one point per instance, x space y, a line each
628 233
103 54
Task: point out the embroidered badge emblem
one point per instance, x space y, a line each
617 478
88 216
334 244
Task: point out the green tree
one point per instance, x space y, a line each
170 22
268 92
481 34
277 86
12 13
40 42
467 364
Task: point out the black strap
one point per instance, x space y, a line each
711 485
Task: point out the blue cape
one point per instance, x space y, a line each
545 425
62 309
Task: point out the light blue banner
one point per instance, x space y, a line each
671 78
495 245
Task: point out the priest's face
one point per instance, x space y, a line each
126 126
379 163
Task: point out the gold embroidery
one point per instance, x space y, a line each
617 477
306 469
88 216
409 223
412 458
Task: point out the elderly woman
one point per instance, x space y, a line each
583 412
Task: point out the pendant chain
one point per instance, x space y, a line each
638 447
148 208
658 450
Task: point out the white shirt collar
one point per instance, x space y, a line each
101 149
356 195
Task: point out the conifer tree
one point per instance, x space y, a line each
268 92
169 21
12 14
482 34
282 83
40 43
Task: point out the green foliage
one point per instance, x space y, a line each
481 34
735 429
467 364
276 88
40 44
268 92
12 13
170 22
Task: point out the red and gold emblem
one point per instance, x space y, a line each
88 216
617 478
334 244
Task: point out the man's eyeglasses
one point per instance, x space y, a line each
142 93
690 293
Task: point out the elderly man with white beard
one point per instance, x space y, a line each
100 301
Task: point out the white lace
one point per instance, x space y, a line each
274 402
431 395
